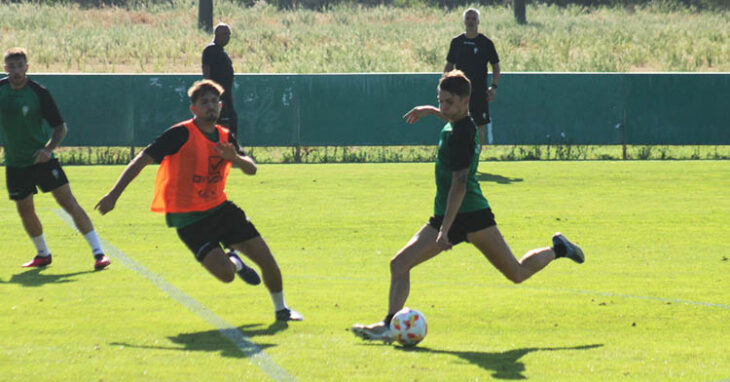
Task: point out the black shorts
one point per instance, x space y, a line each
479 107
464 223
22 181
228 225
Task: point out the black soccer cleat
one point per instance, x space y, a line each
572 251
287 314
246 273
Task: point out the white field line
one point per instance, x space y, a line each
250 349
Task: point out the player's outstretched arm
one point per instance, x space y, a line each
244 162
419 112
492 90
133 169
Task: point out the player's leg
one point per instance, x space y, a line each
479 111
21 187
259 252
26 210
67 201
419 249
34 228
492 244
228 116
247 273
233 122
215 260
241 235
490 133
51 177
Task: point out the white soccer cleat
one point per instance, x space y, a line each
378 331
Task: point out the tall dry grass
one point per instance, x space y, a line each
163 38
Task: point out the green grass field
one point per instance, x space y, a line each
652 301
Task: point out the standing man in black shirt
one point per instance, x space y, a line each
217 66
470 52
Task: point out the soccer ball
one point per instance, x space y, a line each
408 327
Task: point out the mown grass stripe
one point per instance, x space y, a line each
572 291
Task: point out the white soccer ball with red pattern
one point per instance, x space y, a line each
409 327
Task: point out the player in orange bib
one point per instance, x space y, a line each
195 159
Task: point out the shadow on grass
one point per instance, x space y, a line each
34 278
504 365
220 341
486 177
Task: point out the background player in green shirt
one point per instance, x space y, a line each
29 159
461 212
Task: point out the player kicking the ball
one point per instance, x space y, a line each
195 158
461 212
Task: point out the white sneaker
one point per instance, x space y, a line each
287 314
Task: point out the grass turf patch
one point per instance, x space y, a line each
653 232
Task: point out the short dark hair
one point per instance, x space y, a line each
14 53
455 82
204 86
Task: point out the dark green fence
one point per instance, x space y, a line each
366 109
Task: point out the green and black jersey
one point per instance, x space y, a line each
458 149
22 113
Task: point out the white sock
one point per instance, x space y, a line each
490 137
93 239
236 262
40 245
278 300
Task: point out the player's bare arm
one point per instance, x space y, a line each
133 169
244 162
45 154
492 91
456 196
419 112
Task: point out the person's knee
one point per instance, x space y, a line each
398 267
516 276
68 203
226 277
216 262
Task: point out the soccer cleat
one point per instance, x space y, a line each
572 251
378 331
102 261
246 273
38 261
287 314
